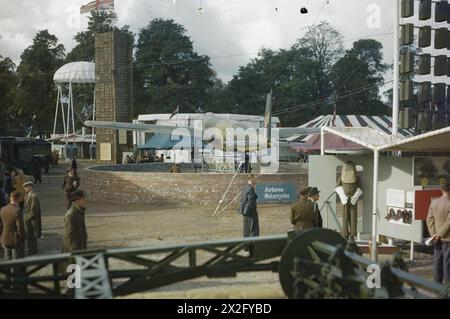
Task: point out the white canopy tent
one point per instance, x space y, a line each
72 73
436 141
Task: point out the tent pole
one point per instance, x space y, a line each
56 118
322 141
376 158
73 118
68 128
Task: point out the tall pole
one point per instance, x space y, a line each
56 118
395 98
374 253
93 129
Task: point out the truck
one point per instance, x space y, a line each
19 152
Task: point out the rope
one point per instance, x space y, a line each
226 192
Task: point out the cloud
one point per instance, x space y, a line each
231 32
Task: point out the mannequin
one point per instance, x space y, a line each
349 191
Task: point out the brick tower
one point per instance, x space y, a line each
113 93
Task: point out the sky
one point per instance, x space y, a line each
231 32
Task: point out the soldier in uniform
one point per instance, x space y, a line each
70 184
12 228
305 213
32 215
301 212
349 191
438 222
75 234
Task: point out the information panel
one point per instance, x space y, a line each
274 193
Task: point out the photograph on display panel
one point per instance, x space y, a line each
431 171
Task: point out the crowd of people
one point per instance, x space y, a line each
146 157
20 214
20 220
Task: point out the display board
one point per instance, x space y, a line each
275 193
423 200
431 171
105 152
399 207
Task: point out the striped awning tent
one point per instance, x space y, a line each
381 123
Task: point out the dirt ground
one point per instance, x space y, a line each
121 226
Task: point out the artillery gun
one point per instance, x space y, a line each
317 263
320 264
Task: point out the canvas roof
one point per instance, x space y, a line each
435 141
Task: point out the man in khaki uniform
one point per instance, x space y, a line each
303 212
12 228
32 215
438 222
75 234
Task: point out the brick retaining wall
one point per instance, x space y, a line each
165 189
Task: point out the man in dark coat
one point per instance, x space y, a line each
75 234
74 165
70 184
248 209
32 215
12 228
36 170
314 196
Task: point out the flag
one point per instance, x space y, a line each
175 112
97 5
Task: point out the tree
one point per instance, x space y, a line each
7 95
299 75
359 77
168 72
99 22
36 91
322 46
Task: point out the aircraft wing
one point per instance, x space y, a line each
286 132
148 128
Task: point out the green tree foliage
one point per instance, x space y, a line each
168 72
36 91
321 46
298 75
99 22
308 75
7 95
361 67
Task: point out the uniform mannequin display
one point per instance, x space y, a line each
349 191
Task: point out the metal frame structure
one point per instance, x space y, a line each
141 269
316 263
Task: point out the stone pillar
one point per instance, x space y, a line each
113 93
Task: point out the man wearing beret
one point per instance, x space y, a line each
32 217
70 184
75 234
